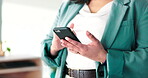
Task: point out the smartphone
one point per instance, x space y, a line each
63 32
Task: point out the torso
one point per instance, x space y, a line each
92 22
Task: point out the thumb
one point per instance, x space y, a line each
91 37
71 26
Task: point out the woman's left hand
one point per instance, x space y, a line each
93 50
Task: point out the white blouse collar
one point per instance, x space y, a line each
103 11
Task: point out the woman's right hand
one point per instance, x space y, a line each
56 43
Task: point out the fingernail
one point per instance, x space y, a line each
87 32
66 38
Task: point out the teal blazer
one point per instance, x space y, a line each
125 39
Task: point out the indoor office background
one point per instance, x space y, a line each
24 24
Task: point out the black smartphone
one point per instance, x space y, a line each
63 32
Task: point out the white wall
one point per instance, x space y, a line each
26 23
0 18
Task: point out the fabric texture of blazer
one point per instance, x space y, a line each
125 39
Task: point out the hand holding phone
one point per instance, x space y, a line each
63 32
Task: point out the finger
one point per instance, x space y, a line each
75 43
66 44
91 37
69 45
55 36
71 26
71 50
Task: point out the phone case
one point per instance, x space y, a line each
63 32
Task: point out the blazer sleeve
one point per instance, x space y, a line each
134 63
46 44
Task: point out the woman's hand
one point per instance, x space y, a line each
93 50
56 44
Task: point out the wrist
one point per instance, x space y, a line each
103 57
53 51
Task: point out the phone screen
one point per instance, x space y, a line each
63 32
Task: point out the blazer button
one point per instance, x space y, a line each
101 73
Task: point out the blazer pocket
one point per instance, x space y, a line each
127 23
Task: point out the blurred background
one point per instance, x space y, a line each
23 26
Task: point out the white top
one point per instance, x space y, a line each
94 23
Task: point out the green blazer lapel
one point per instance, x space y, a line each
114 22
72 11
